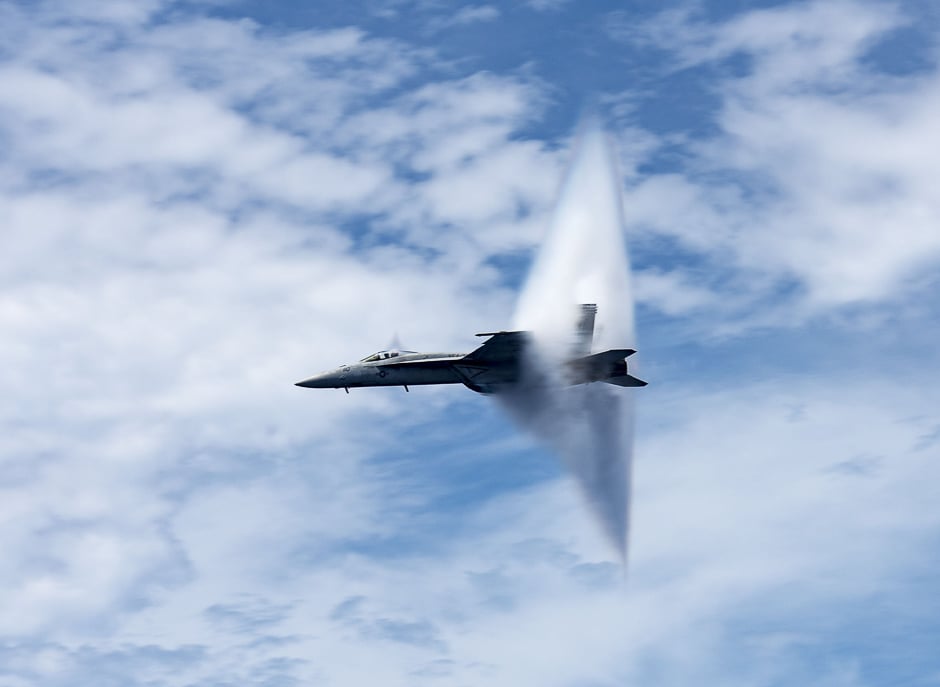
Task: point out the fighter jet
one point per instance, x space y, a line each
488 369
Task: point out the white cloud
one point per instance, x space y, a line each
469 14
547 5
669 292
453 135
105 12
820 171
175 210
197 213
752 498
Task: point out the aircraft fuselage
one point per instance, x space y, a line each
421 369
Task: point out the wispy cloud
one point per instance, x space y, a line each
547 5
181 216
469 14
197 210
816 173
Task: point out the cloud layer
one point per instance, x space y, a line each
197 210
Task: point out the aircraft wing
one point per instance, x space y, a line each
625 380
502 348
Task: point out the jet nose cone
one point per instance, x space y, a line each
323 381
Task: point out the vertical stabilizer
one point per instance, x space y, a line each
585 331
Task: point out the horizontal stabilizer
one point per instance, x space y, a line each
599 366
625 380
605 357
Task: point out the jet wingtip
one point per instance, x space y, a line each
625 380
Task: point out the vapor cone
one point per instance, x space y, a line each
583 259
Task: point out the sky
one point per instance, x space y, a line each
204 201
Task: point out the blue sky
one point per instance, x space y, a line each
203 202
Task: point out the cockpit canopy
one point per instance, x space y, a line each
381 355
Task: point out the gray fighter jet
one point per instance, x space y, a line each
491 367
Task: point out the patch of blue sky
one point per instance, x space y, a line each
695 349
452 464
656 250
719 10
570 51
512 266
470 454
888 639
908 50
674 101
368 230
783 360
706 363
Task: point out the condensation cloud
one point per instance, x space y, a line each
583 259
